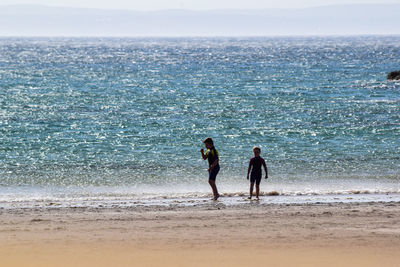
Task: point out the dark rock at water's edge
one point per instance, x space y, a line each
394 75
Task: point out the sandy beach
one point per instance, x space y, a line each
212 234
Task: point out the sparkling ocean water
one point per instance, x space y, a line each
109 117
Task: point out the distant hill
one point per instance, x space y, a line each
25 20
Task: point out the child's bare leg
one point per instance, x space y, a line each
251 190
257 190
214 189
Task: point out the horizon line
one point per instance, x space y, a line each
206 36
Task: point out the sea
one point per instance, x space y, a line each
120 121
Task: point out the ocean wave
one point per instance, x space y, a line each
154 198
116 112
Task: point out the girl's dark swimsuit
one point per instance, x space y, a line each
212 155
213 173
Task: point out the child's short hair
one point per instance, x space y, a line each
208 140
256 148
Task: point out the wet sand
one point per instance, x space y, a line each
212 234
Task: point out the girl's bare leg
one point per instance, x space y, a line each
214 189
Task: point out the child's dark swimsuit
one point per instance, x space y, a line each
256 172
212 155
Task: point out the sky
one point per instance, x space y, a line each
147 5
17 19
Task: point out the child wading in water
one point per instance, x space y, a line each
213 162
255 167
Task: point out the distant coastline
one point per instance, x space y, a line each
32 20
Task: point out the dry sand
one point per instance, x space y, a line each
254 234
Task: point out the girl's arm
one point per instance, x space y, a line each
202 154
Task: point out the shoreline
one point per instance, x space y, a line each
228 199
213 234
